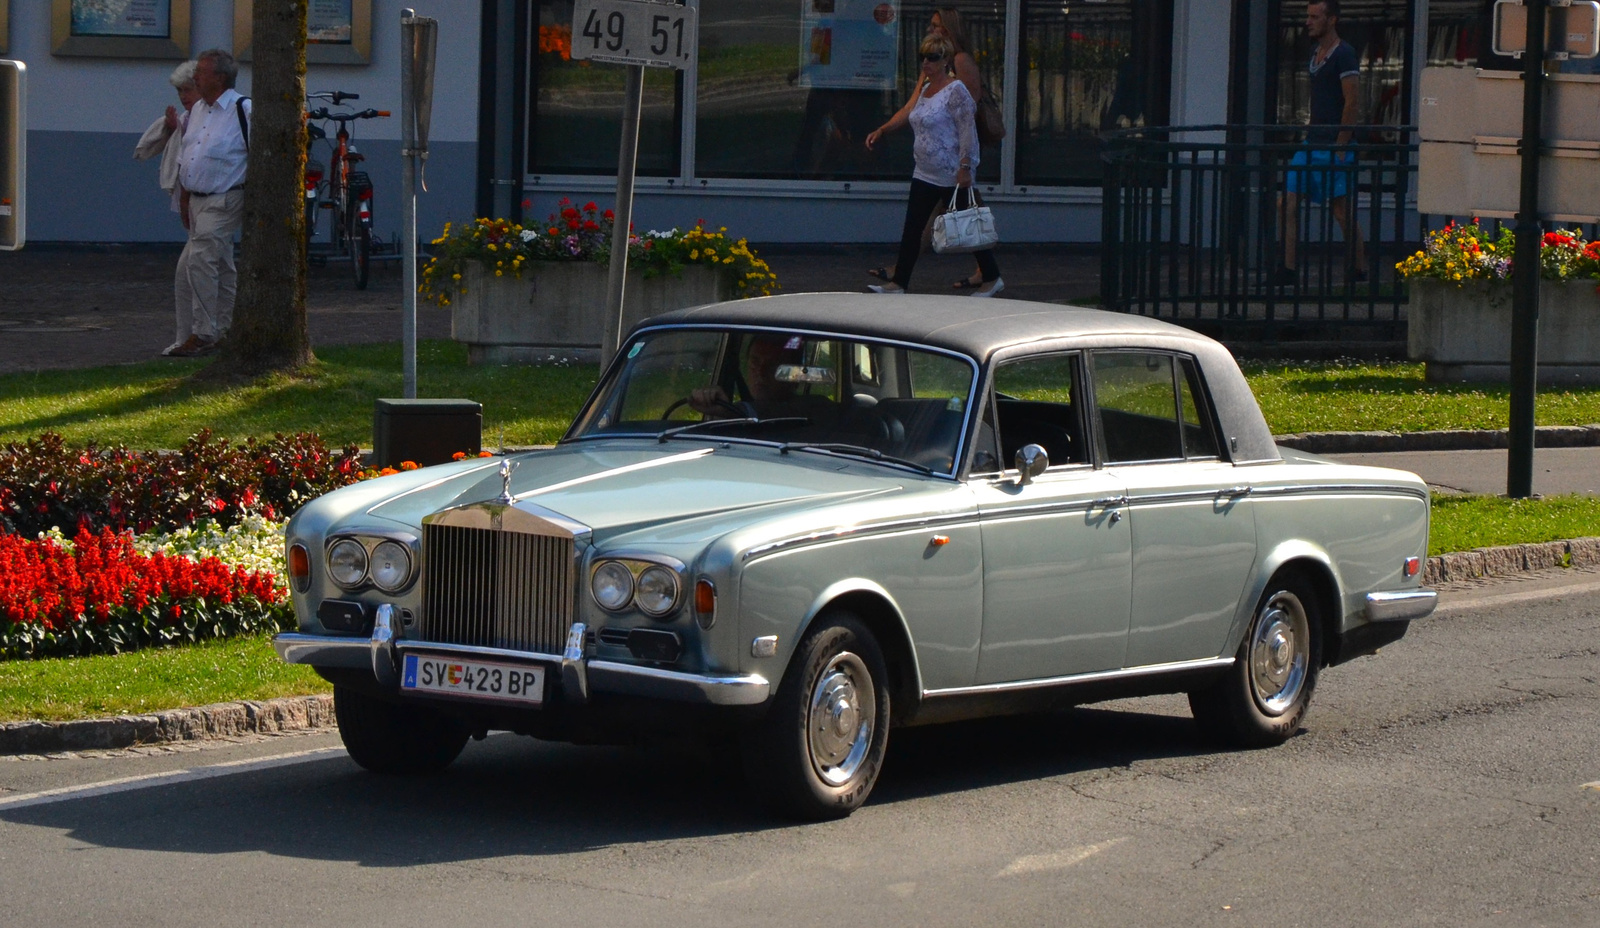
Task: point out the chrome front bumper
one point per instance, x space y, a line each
1400 606
579 675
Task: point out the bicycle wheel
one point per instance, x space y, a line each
360 253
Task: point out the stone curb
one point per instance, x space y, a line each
1506 560
1545 436
220 720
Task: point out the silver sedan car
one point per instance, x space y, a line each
805 521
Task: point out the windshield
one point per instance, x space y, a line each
802 391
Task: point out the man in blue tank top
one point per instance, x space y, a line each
1316 172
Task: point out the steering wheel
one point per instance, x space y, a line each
737 413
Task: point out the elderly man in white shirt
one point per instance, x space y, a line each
211 171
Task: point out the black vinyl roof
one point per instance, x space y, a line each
974 327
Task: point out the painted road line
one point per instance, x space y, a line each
1057 860
1452 604
150 780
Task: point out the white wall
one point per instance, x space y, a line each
85 114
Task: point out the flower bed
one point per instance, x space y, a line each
100 594
583 234
45 484
1464 253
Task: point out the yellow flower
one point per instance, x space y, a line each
455 276
694 255
498 272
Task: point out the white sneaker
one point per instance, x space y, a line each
991 288
891 288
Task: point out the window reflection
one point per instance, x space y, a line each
575 123
1086 68
789 89
1380 34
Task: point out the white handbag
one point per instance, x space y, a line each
958 231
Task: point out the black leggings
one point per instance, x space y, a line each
924 199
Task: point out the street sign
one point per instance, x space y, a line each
13 155
1570 30
647 33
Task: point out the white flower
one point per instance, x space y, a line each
529 235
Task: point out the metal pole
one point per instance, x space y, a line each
1525 283
408 202
627 164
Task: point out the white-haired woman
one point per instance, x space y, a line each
165 137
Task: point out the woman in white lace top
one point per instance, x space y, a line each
946 157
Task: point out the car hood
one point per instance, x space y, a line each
624 485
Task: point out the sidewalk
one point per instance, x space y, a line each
64 308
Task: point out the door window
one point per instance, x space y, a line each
1134 392
1034 406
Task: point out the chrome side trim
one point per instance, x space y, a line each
1210 663
1400 605
871 528
1366 489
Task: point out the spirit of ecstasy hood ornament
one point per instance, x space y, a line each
506 467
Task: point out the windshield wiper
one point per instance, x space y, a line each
860 451
746 420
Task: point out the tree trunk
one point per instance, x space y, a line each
269 320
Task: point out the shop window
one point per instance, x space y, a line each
1087 68
575 119
789 89
1380 33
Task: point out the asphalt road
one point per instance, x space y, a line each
1439 783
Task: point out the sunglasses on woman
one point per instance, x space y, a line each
933 58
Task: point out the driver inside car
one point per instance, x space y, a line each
765 396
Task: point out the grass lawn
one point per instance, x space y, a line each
1461 523
1394 397
154 405
149 681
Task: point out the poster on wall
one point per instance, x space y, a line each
329 22
133 19
337 31
849 44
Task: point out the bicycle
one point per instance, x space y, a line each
346 191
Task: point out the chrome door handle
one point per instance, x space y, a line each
1235 492
1109 501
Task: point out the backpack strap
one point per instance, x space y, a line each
244 123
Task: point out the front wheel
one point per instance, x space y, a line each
385 737
817 753
360 253
1263 697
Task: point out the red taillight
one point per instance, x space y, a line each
365 195
1413 565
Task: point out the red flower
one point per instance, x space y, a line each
569 214
589 207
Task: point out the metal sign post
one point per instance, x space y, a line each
640 34
418 36
1525 282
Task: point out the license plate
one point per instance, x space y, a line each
521 683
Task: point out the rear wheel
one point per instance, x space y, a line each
385 737
817 753
1263 697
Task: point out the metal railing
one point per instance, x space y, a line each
1195 221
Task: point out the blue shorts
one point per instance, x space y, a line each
1311 173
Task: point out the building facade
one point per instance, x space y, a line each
765 135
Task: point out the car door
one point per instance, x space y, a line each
1189 513
1057 563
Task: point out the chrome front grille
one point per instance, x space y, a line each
498 589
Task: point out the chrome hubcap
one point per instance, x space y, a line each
840 722
1280 653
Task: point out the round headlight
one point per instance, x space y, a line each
347 562
658 591
391 566
612 585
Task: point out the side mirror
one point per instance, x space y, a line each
1031 461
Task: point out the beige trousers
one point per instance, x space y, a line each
206 280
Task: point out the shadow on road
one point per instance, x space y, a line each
512 796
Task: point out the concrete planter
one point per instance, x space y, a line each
1464 333
556 310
